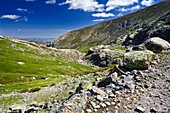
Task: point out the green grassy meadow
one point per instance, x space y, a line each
23 67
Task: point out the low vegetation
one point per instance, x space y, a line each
23 67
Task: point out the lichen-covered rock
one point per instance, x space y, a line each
157 44
138 59
74 104
104 56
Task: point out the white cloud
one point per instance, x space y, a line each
50 2
85 5
147 2
22 10
12 17
111 4
98 20
30 0
103 15
120 14
130 9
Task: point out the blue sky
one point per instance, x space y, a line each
52 18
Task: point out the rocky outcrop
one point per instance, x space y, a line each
104 56
138 59
159 28
157 44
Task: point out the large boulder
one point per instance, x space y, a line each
156 44
138 59
104 56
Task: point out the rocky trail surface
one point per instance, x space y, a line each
112 90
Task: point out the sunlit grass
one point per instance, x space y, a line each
37 67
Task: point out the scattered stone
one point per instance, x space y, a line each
139 109
94 105
31 109
20 63
95 110
99 98
107 103
98 91
16 111
89 110
103 105
45 106
104 82
112 96
153 110
1 85
114 76
17 108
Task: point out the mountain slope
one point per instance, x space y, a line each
113 31
25 65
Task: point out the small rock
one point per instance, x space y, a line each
29 110
131 86
153 110
95 110
16 111
113 103
105 82
89 110
114 76
20 63
93 104
112 96
154 62
103 105
139 109
1 85
99 98
45 106
107 103
98 91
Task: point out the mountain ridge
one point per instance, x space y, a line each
112 31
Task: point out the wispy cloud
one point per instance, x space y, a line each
111 4
103 15
85 5
98 20
50 2
12 17
129 9
119 15
25 19
22 10
147 2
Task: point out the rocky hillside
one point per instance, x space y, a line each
27 66
132 80
117 30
